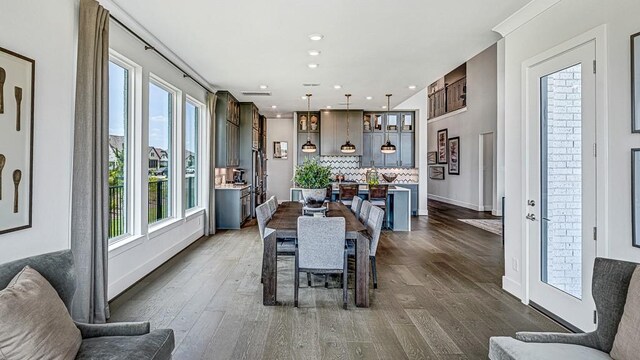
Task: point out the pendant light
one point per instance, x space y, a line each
388 148
309 147
348 147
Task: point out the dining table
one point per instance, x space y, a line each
284 223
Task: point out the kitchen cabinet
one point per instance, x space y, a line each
227 130
236 202
333 131
399 128
308 123
406 149
302 138
371 155
393 160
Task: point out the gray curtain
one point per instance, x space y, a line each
89 204
211 109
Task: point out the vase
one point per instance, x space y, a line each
314 197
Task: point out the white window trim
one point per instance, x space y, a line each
201 149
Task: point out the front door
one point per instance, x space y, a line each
561 203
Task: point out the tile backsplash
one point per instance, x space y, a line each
349 166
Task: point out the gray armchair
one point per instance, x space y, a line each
609 286
99 341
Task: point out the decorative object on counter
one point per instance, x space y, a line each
454 156
313 178
389 177
372 177
309 147
280 150
388 147
348 147
436 172
635 82
3 77
442 146
314 122
432 157
635 196
303 123
17 72
340 177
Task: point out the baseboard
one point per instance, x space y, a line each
487 208
443 199
512 287
423 212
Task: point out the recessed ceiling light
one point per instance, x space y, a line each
412 87
384 106
278 116
337 86
328 106
369 97
316 37
303 97
312 66
274 106
314 52
263 87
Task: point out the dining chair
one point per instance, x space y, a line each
272 205
321 250
374 230
378 197
329 196
364 211
283 247
356 204
347 192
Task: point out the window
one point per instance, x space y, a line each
191 156
118 150
161 115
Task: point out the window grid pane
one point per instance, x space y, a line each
118 152
191 155
159 153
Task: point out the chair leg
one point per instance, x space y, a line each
345 272
296 282
309 279
326 281
372 260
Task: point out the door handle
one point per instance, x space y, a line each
531 217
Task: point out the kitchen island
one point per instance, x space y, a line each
398 200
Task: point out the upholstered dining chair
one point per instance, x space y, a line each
356 204
364 211
347 192
321 250
378 197
374 230
273 205
283 247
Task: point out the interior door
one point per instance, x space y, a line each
562 201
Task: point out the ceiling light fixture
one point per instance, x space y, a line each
312 66
274 106
412 87
314 52
388 148
337 87
369 97
303 97
309 147
316 37
279 116
263 87
348 147
384 106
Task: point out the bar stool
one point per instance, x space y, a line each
347 192
378 197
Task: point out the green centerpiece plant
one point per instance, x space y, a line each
313 178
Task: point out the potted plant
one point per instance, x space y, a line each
313 178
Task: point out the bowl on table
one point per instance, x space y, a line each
389 177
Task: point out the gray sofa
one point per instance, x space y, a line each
609 286
99 341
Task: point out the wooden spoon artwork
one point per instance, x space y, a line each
3 77
17 176
3 160
18 102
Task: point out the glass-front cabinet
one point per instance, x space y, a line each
406 122
393 120
372 122
309 122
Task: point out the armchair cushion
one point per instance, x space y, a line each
156 345
626 345
34 322
506 348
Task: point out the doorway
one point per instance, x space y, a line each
486 175
561 190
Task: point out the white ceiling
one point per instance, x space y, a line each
370 47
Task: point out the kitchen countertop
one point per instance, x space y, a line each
233 187
364 188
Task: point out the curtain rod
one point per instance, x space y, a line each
148 46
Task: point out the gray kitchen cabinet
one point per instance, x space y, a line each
392 160
406 150
302 138
371 155
236 205
227 130
333 131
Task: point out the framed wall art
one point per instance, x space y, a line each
17 79
635 83
432 157
635 196
454 156
442 146
436 172
280 150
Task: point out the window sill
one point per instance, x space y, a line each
124 244
448 115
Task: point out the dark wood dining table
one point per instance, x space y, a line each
285 223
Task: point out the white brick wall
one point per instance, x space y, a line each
564 181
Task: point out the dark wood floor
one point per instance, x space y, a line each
439 297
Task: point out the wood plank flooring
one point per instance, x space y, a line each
439 297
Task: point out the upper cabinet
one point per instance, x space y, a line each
448 93
333 131
227 130
308 121
308 125
399 128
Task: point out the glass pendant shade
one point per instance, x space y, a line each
388 147
309 147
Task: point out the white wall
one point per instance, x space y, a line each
46 32
564 21
479 118
280 171
418 102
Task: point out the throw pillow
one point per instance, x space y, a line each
34 322
626 345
